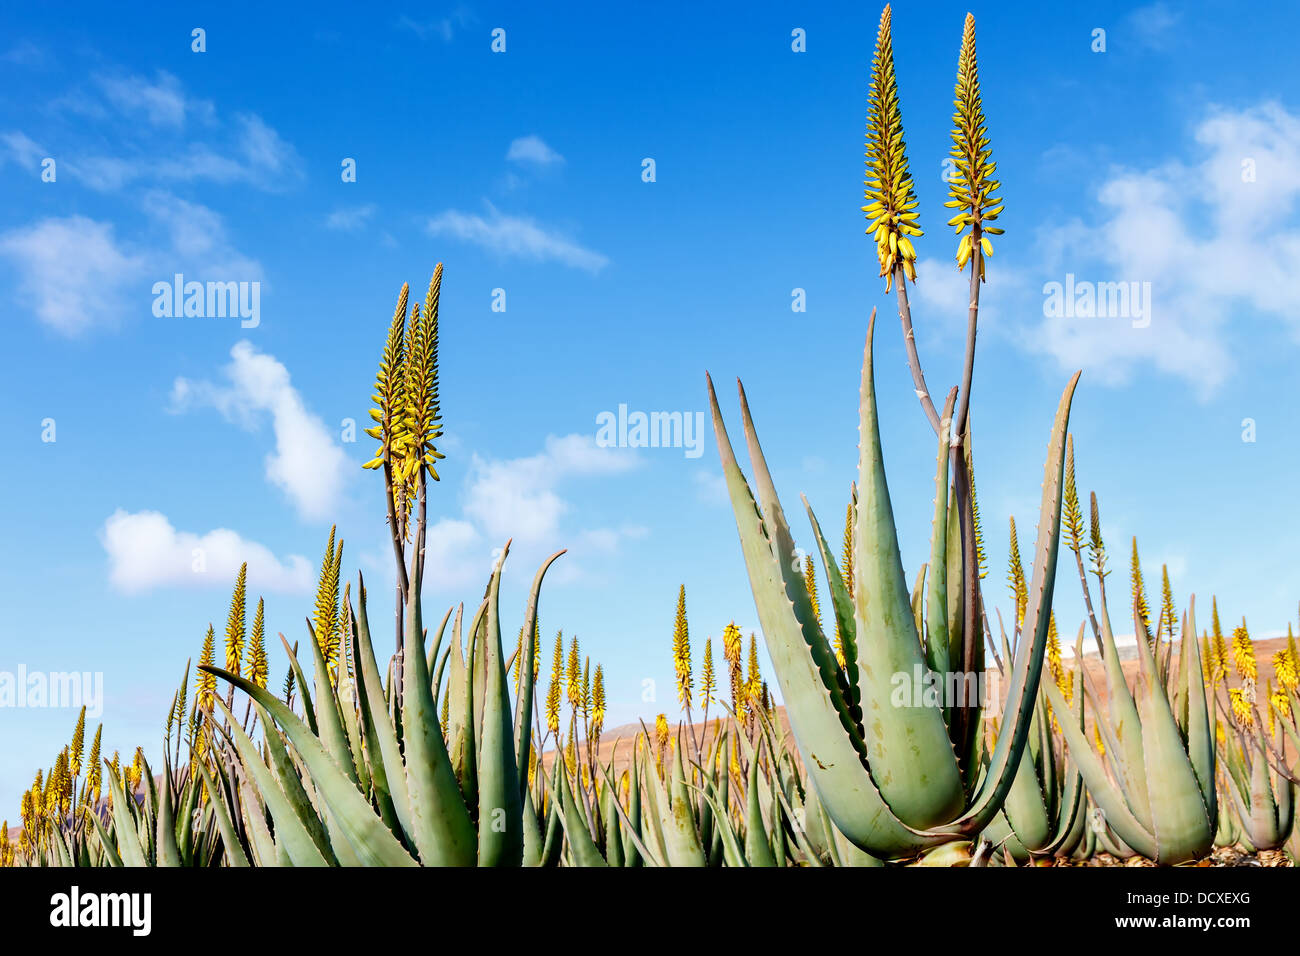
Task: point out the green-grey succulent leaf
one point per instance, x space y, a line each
1022 695
909 752
823 726
500 806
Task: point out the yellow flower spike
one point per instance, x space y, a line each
846 570
682 652
1242 712
326 620
1243 653
890 197
78 743
553 692
1287 670
731 650
708 683
257 667
810 582
1016 578
598 703
754 680
235 623
95 768
389 384
1139 590
573 677
971 186
1168 611
207 682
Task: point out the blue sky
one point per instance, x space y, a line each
522 171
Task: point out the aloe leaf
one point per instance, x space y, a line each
635 852
1200 738
678 817
169 852
234 854
110 851
309 814
329 719
632 850
373 843
386 767
534 845
128 842
1102 788
290 833
500 801
581 846
731 849
823 726
911 757
1182 824
1125 753
443 832
1024 809
1022 695
758 851
843 606
523 724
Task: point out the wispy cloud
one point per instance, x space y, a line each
533 150
1154 24
24 53
71 271
524 499
254 154
443 28
161 101
516 236
1210 236
76 274
145 551
350 218
21 149
308 465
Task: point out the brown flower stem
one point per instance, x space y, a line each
909 341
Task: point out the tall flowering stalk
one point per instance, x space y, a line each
408 421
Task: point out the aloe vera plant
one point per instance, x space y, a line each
889 777
1155 781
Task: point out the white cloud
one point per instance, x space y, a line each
24 53
455 555
533 150
255 154
1153 23
162 102
520 500
516 236
20 147
308 465
442 27
145 551
350 218
72 271
75 274
517 497
1211 237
